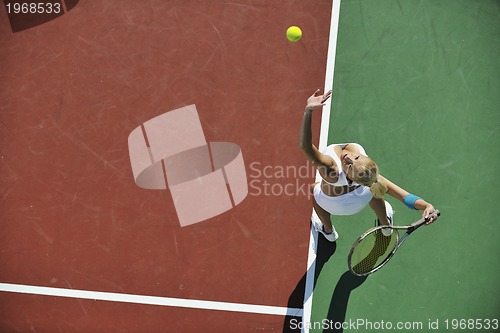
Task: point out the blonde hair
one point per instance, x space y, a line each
378 189
367 175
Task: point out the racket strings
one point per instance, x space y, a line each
372 251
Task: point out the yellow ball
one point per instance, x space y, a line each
293 34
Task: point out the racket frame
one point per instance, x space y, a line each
399 241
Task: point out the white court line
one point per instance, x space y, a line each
325 124
151 300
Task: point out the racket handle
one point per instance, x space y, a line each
423 220
436 212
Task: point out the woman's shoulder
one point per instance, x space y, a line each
352 147
339 147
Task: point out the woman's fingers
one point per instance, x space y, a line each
326 96
431 215
317 100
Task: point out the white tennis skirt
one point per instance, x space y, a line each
345 204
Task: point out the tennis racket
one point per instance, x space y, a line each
373 250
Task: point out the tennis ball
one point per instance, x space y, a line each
293 34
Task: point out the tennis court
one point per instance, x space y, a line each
85 249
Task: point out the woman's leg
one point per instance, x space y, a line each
323 215
379 207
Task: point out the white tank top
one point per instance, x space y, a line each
342 181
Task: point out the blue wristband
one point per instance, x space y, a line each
409 201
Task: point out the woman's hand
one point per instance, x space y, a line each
317 100
428 212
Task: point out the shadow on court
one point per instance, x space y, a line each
296 300
338 306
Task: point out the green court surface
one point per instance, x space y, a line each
417 84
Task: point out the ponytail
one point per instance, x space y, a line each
378 189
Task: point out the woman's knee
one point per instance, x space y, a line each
376 202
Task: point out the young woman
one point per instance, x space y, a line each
350 180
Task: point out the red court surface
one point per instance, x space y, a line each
72 90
